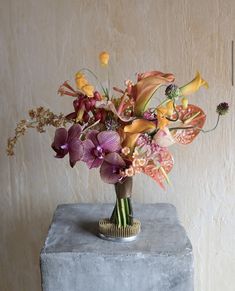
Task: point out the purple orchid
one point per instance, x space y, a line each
111 168
97 145
68 142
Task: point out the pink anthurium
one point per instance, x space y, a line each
192 120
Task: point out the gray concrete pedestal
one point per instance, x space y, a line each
75 259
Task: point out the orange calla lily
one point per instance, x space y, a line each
133 131
130 140
194 85
140 125
144 89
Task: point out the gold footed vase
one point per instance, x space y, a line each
121 226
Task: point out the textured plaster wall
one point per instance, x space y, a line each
45 42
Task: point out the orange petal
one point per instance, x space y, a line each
162 121
146 87
130 140
140 125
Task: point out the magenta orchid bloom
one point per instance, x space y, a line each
111 168
68 142
97 145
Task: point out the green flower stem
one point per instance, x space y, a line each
217 122
130 210
109 89
127 211
118 220
122 214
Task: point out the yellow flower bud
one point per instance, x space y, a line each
184 102
170 108
104 58
79 75
81 82
88 90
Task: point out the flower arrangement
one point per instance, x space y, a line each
122 136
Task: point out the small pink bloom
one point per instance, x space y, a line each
164 138
126 151
129 172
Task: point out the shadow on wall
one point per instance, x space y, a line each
24 240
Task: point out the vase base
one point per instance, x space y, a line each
117 239
110 231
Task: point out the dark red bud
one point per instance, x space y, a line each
93 101
103 116
98 115
76 104
88 105
85 117
97 96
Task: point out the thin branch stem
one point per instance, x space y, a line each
209 130
196 127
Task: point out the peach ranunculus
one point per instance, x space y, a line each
139 126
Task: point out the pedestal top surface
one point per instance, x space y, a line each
74 229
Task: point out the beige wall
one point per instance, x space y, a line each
45 42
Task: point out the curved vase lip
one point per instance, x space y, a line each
124 190
118 239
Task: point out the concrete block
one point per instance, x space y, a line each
75 259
